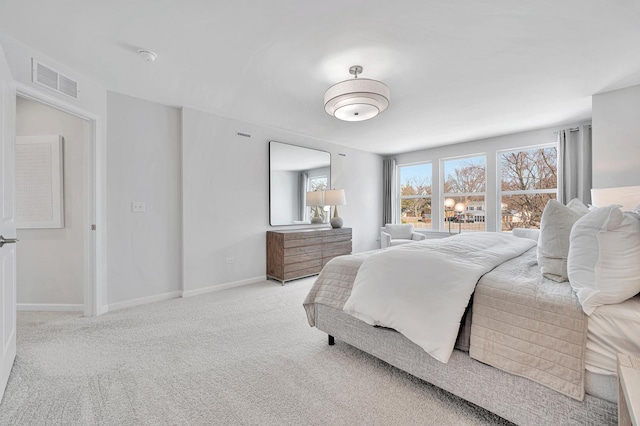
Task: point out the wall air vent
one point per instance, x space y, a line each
52 79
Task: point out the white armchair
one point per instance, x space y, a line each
393 235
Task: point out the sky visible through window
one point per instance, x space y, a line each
419 171
416 173
410 173
450 166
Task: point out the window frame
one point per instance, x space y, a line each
445 195
400 197
500 193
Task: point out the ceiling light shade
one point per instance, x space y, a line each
357 99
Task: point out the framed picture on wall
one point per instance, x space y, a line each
39 182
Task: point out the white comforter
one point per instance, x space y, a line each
422 289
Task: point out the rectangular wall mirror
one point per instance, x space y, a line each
293 172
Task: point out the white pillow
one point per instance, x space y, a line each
604 257
532 234
553 243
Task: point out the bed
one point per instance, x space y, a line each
574 383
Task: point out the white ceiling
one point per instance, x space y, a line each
458 70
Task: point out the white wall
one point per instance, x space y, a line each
51 261
616 138
143 165
488 147
92 102
145 248
226 196
284 187
92 95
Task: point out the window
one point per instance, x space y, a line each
318 183
415 195
529 178
464 181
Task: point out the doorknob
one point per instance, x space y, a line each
4 240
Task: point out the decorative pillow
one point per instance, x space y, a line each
402 231
604 257
553 243
578 206
532 234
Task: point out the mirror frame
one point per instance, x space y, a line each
270 183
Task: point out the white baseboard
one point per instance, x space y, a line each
164 296
142 301
50 307
218 287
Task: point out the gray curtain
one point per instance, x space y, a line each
302 207
389 190
574 160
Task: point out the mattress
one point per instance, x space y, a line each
612 329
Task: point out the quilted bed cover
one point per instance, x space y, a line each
522 323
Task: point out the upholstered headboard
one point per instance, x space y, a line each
628 196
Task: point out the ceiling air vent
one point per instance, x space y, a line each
54 80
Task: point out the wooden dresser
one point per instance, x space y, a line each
298 253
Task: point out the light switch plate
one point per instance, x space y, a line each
138 207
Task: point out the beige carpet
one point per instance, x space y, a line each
240 356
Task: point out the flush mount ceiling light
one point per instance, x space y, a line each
357 99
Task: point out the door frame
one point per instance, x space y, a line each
95 261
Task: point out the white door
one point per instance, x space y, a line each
7 224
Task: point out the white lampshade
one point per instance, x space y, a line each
315 198
335 197
459 207
449 203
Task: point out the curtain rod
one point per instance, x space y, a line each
573 129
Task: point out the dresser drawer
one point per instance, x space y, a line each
300 266
294 251
336 249
303 257
302 273
315 241
336 238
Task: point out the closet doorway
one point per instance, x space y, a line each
56 261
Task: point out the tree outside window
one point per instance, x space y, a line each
529 179
465 182
415 195
318 183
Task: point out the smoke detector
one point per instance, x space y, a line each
147 55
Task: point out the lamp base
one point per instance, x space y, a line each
317 219
336 222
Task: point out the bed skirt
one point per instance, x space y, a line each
514 398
